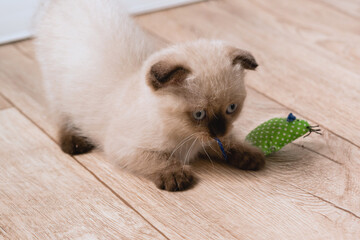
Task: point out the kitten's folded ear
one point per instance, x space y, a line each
165 73
244 58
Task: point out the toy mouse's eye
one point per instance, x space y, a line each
199 115
231 108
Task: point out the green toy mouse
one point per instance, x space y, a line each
275 133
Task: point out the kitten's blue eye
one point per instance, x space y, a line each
231 108
199 115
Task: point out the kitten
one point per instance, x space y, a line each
150 110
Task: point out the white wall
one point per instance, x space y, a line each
16 16
144 6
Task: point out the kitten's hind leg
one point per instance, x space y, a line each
72 143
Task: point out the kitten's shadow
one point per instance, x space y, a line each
293 157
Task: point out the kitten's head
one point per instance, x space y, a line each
200 85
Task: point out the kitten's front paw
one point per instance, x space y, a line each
175 179
247 158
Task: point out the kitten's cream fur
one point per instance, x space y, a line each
109 86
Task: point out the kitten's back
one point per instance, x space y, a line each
87 48
91 31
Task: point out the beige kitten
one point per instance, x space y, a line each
151 111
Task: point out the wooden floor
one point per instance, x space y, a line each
309 56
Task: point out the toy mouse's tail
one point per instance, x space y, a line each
314 129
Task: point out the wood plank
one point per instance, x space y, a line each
320 13
348 7
307 28
23 85
45 194
3 103
26 48
316 80
229 203
232 204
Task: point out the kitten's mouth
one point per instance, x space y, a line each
205 139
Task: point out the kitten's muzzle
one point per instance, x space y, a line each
217 126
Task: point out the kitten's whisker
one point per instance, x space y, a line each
189 151
202 144
239 95
185 140
191 148
230 87
212 113
233 86
179 147
217 152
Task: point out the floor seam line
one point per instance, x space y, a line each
86 169
293 110
118 195
329 202
316 196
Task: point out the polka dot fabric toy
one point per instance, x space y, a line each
274 134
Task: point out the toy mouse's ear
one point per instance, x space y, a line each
244 58
165 73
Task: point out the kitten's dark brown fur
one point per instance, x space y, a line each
72 143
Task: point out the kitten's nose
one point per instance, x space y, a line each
217 126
